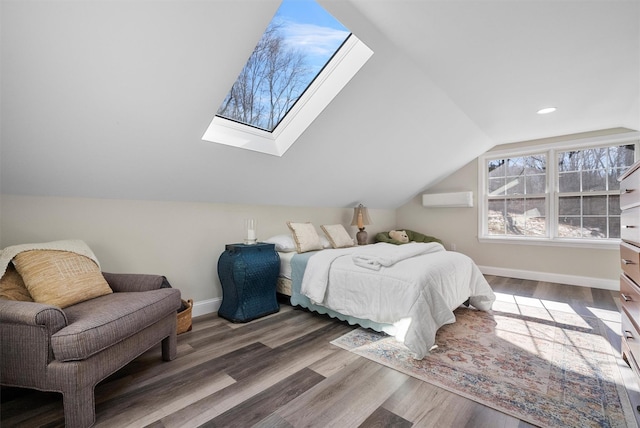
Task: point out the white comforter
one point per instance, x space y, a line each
415 286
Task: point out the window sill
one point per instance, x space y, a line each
609 244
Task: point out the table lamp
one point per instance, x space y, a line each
361 219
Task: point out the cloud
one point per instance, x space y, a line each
313 40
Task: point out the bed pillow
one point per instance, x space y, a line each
12 286
60 278
305 237
337 235
286 244
283 243
325 242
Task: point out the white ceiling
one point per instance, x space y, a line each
501 61
107 99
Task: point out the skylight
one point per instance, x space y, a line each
303 60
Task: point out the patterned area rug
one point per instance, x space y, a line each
558 371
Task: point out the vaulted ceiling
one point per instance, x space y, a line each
110 99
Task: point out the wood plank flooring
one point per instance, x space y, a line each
281 371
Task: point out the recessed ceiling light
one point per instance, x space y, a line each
546 110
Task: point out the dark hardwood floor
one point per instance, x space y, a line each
281 371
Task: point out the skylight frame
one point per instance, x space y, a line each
342 67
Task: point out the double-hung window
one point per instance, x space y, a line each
565 194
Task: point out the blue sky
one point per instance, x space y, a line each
308 12
309 27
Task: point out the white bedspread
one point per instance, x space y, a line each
416 285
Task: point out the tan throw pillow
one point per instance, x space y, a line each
60 278
12 286
305 236
337 235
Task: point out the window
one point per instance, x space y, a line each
566 195
288 57
516 196
589 191
303 60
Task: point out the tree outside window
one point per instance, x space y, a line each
582 192
299 41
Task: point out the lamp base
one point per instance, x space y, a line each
361 237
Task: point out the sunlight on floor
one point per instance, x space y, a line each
612 319
581 340
605 315
536 336
541 309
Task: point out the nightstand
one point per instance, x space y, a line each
248 275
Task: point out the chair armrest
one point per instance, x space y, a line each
25 333
127 282
32 314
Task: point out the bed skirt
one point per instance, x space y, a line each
283 286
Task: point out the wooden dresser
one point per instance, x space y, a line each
630 264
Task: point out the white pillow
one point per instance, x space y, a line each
325 242
338 236
305 237
286 244
283 243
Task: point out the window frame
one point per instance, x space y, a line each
342 67
552 193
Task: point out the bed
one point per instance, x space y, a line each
406 291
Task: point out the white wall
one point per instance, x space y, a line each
110 99
180 240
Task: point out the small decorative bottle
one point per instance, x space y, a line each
250 227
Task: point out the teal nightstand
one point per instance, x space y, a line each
248 275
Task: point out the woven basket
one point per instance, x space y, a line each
184 317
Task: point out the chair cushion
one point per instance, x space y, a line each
99 323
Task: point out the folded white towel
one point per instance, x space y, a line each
388 255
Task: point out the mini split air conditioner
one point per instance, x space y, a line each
445 200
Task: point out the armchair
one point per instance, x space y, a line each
70 350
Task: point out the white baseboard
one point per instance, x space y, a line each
205 307
583 281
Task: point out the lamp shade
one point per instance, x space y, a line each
360 217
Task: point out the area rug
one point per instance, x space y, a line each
555 372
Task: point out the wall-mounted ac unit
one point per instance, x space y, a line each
455 199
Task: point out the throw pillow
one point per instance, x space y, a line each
305 237
60 278
12 286
337 235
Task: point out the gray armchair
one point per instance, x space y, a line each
70 350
